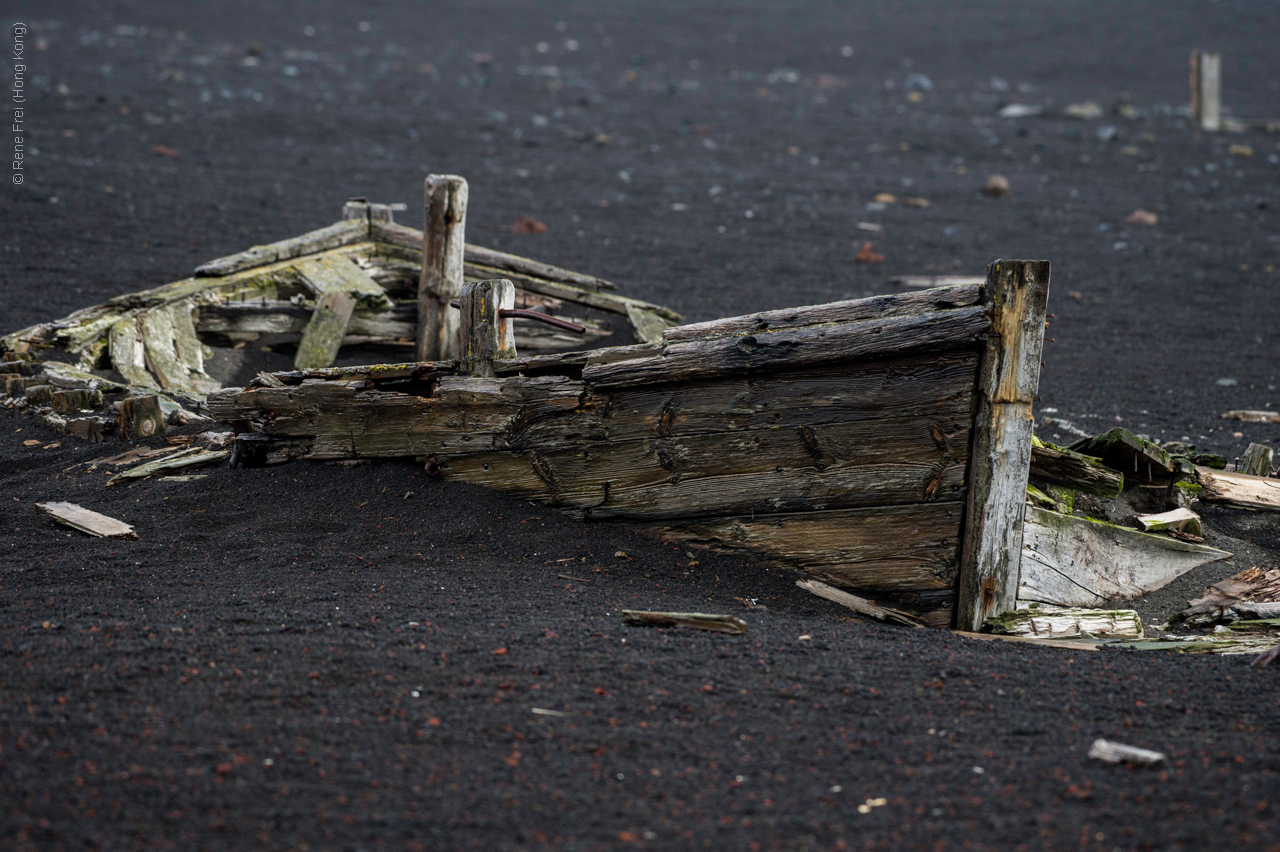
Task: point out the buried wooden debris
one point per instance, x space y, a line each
1256 461
1048 622
1250 593
695 620
1248 416
857 604
1111 752
1064 644
1180 520
181 460
86 521
1069 561
1125 451
1239 489
1076 471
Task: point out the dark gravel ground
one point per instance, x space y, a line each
313 657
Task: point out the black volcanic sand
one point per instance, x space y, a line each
317 657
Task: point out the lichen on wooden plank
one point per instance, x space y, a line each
324 274
323 335
340 233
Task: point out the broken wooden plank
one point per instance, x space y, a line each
1206 89
443 248
1063 644
931 281
1182 520
795 347
877 548
1111 752
339 234
1239 489
181 460
1068 561
87 521
1252 416
1075 471
1124 451
485 333
697 620
329 274
1257 460
852 310
857 604
1050 622
323 335
129 354
1008 379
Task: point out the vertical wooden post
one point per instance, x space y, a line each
1008 378
484 334
1206 90
443 243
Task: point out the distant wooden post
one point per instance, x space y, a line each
443 243
485 334
1206 90
1008 377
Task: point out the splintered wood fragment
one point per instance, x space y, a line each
1257 460
1239 489
1050 622
338 234
1249 416
1064 644
181 460
327 274
1257 610
86 521
141 417
1110 752
1008 379
857 604
1206 89
1182 520
323 335
936 280
485 334
696 620
1080 562
443 249
1075 471
1126 452
129 354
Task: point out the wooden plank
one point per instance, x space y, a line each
1069 561
1109 752
323 335
1257 460
485 334
87 521
852 310
129 354
1206 90
857 604
157 329
1053 622
280 317
1124 451
878 548
928 281
696 620
328 274
336 235
1075 471
1239 489
1029 640
1008 379
181 460
1182 520
649 325
1254 416
445 200
796 347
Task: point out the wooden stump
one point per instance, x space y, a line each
1257 460
443 247
141 417
485 335
991 547
1206 89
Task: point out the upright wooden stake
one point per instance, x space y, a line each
1206 90
443 245
991 544
485 335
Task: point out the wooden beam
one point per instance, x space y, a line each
1008 378
338 234
697 620
1239 489
1076 471
87 521
327 274
485 334
1206 90
1053 622
857 604
443 250
323 335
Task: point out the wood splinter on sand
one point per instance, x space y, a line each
696 620
856 603
1109 752
87 521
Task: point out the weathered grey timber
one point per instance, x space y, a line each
485 334
324 333
1206 89
1257 460
343 233
697 620
1075 471
87 521
1009 376
1239 489
443 246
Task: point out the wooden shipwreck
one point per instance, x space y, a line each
882 445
